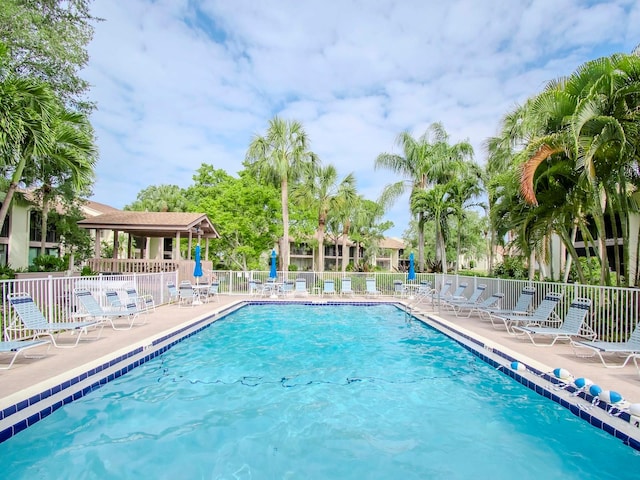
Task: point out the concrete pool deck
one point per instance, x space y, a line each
29 376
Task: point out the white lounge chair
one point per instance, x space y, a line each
187 294
573 326
174 295
329 288
399 289
625 350
286 289
129 314
300 288
144 303
113 299
474 298
213 291
30 316
345 287
16 347
522 306
457 295
542 315
477 307
371 289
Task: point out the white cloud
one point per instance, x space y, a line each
181 83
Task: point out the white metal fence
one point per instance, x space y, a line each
613 316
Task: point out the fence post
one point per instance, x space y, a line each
50 303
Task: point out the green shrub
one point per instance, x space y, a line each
48 263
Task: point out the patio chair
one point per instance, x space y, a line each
434 294
474 298
457 295
129 314
345 287
286 289
16 347
542 315
174 295
113 299
626 350
187 294
144 303
522 306
371 288
329 288
301 288
255 288
32 319
269 289
213 291
573 326
477 307
399 289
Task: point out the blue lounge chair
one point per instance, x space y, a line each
301 288
32 319
477 307
213 291
626 350
144 303
399 289
113 299
573 326
345 287
329 287
522 306
174 295
474 298
129 314
371 289
187 294
16 347
542 315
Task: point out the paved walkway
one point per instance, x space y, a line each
29 376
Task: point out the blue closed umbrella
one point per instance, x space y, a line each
197 271
412 268
272 273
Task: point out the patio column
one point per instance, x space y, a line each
96 243
176 247
116 244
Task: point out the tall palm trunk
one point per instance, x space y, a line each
345 248
421 223
284 248
11 190
321 228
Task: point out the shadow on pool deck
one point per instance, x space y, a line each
29 376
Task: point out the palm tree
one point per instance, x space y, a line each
590 120
414 165
465 191
68 168
321 191
280 157
27 107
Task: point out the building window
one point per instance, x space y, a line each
35 228
4 255
4 232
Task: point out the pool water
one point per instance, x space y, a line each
316 392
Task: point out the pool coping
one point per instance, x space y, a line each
28 406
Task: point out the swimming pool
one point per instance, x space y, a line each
286 391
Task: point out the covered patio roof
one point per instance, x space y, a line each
153 224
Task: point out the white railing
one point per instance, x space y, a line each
54 295
613 316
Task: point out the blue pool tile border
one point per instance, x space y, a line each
541 390
166 342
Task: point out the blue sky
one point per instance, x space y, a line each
179 83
